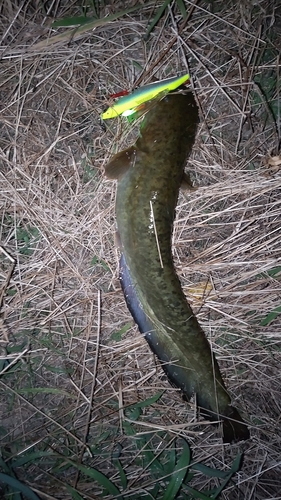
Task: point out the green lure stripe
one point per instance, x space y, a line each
144 94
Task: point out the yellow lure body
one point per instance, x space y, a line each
126 105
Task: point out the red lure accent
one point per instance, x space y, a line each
119 94
126 92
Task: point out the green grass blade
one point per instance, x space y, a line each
148 401
182 9
270 316
209 471
148 458
155 491
117 336
122 474
170 466
94 474
237 463
74 494
236 466
270 272
46 390
133 413
72 34
155 20
220 488
178 474
31 457
18 486
4 466
274 271
128 428
198 494
96 260
72 21
152 463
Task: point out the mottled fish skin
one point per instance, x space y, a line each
149 177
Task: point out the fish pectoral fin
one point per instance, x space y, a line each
186 183
119 163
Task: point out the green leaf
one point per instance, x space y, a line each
4 363
155 20
59 369
209 471
149 401
94 474
275 270
31 457
197 494
72 21
154 492
237 463
122 474
178 474
4 466
71 34
149 459
45 390
18 486
236 466
117 336
133 413
96 260
75 495
170 465
128 428
271 316
137 65
16 348
182 9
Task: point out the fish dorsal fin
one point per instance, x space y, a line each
119 163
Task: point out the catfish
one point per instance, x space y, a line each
149 175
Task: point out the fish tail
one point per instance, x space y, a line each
233 426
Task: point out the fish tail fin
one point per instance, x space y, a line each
234 427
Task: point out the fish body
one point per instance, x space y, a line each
146 93
149 177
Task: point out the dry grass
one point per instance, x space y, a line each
67 381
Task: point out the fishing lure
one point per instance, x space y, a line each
128 104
